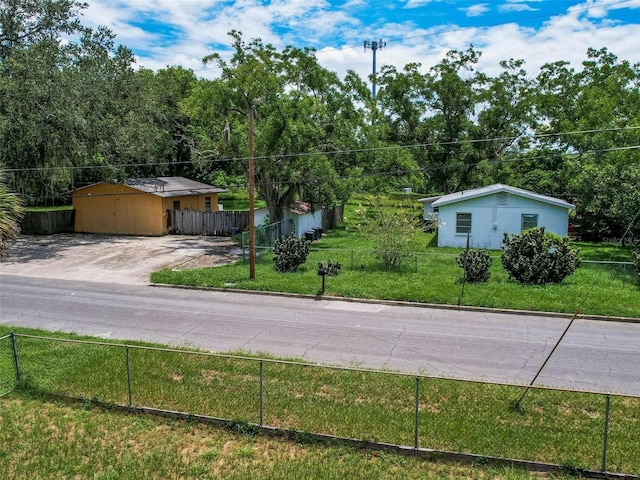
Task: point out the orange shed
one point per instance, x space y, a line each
139 206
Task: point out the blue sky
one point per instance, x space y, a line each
181 32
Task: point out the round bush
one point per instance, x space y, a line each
477 267
536 258
290 252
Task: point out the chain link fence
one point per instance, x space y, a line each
7 369
594 431
432 262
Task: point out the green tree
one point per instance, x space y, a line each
589 118
608 199
71 112
169 88
300 110
465 121
505 111
27 22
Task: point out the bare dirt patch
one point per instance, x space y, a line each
113 259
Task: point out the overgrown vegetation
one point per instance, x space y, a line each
534 257
390 230
476 264
289 253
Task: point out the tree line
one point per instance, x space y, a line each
75 110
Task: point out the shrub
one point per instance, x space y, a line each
290 252
536 258
477 266
636 260
391 232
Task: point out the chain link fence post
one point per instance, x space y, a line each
16 360
129 376
261 392
244 251
606 433
417 415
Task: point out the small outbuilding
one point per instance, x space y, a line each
487 213
139 206
296 220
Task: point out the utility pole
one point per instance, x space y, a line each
374 46
252 228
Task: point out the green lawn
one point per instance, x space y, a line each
431 275
241 204
552 426
65 440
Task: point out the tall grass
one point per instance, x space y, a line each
552 426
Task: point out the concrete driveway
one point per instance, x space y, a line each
113 259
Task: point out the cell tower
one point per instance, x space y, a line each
374 46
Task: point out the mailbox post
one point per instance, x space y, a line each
322 271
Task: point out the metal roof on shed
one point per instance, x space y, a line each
171 186
167 186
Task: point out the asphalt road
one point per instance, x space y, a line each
594 355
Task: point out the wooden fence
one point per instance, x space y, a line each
192 222
47 223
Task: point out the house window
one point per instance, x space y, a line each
502 198
463 223
529 221
207 204
176 204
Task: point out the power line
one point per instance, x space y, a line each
342 152
359 175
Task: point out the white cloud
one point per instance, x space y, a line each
476 10
201 27
517 7
600 8
419 3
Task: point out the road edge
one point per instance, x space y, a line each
401 303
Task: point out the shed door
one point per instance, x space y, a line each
125 215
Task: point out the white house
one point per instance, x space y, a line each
487 213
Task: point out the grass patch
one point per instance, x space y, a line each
430 274
552 426
238 201
65 440
61 208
